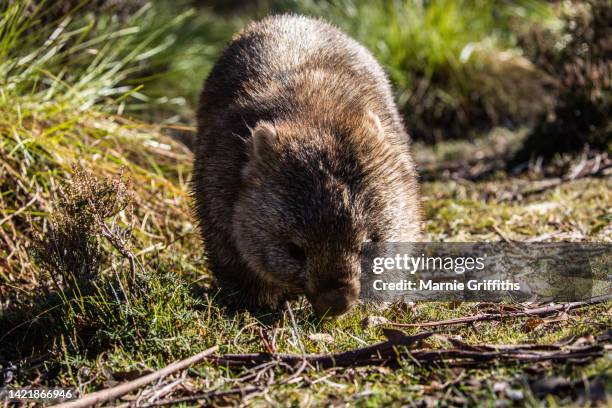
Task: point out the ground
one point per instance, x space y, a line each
172 311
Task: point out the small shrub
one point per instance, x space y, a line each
62 92
91 310
70 249
61 88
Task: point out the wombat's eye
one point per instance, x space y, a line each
296 252
374 238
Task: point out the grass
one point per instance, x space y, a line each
170 312
66 143
173 77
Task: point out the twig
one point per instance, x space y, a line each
246 392
121 246
601 166
205 395
541 311
254 372
19 211
165 390
109 394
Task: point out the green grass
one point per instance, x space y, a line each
173 77
63 102
171 313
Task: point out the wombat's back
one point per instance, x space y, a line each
268 52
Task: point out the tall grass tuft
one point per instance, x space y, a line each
100 278
62 93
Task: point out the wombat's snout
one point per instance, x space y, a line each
336 301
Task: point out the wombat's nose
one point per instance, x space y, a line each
335 302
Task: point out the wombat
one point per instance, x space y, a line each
301 156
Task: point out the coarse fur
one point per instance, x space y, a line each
301 156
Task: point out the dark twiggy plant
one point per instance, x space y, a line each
70 249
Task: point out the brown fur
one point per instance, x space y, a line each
301 156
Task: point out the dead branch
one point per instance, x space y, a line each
398 346
395 349
599 166
460 355
541 311
109 394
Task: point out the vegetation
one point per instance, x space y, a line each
583 69
102 275
455 64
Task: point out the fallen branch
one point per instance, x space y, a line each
110 394
459 355
541 311
452 357
395 349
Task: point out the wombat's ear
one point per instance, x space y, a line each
262 140
373 124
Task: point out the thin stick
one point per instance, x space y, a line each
204 395
109 394
541 311
19 211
